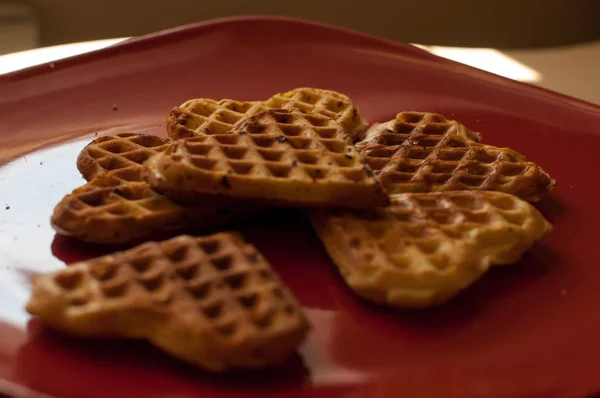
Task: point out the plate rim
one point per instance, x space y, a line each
162 37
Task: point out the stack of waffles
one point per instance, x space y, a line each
411 212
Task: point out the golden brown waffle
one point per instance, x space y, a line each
204 116
120 155
212 301
420 152
425 248
325 102
285 156
118 206
109 209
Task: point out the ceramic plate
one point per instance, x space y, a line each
527 330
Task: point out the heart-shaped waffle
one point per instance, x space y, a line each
117 206
213 301
424 152
289 157
424 248
203 116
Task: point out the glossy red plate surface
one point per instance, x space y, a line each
529 330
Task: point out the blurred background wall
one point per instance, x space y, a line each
483 23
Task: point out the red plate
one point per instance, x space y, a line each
529 330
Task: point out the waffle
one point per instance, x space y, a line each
325 102
110 210
425 248
420 152
415 126
121 154
286 156
118 206
204 116
212 301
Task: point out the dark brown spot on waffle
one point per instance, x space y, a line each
93 198
236 281
200 290
314 173
223 263
249 301
265 275
141 264
289 309
281 117
355 242
411 117
187 272
69 280
103 271
210 246
214 311
178 254
153 283
225 182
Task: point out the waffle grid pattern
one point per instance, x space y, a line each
122 155
218 286
208 117
421 154
275 146
325 102
426 247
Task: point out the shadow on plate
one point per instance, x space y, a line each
49 359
